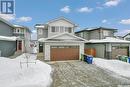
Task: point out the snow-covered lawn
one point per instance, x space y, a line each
36 75
117 66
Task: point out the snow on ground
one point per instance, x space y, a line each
117 66
36 75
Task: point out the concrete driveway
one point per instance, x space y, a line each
81 74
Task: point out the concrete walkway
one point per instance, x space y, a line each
80 74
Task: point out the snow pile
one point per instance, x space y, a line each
8 38
109 39
36 75
117 66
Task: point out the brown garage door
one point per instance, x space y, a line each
59 53
119 51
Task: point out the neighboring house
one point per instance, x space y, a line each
24 34
7 40
104 42
57 40
119 37
127 37
96 33
33 45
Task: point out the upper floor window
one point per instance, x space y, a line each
53 29
61 29
57 28
69 29
106 33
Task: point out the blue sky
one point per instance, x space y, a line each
85 13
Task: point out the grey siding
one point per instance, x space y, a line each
5 30
110 33
94 34
100 49
7 48
43 35
84 35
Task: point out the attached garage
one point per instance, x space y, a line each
119 50
59 53
62 47
110 47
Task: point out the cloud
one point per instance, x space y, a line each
65 9
125 21
123 32
34 31
110 3
85 10
8 17
104 21
24 19
34 35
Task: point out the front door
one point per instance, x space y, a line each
19 45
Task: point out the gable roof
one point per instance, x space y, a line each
6 22
56 38
97 28
56 19
126 35
61 18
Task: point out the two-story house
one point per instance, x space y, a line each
7 40
57 40
103 43
127 37
24 34
96 33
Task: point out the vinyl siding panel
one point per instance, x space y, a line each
43 35
7 48
94 34
5 30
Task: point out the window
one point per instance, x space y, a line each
81 34
57 28
69 29
61 29
66 29
53 29
106 33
